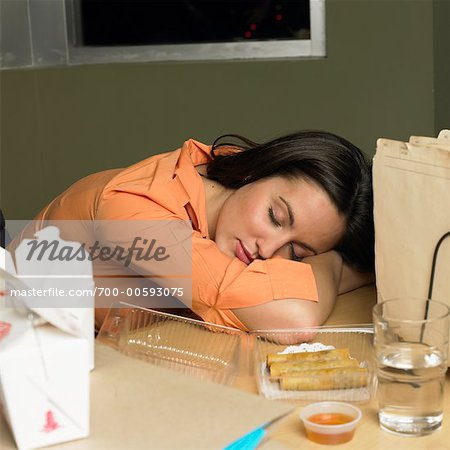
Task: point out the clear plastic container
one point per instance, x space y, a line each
330 422
336 385
222 354
207 351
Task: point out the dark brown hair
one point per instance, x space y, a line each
331 161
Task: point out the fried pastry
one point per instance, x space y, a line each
326 379
321 370
326 355
281 368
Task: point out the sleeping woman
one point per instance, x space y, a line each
276 230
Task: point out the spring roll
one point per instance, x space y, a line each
277 369
326 379
328 355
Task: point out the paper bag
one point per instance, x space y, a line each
411 183
444 134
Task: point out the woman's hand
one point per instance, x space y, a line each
352 279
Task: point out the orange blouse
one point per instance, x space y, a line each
168 187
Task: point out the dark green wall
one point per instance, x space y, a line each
442 63
59 124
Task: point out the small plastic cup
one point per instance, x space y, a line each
330 422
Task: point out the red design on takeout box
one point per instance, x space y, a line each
50 424
5 327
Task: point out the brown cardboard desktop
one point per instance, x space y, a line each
137 405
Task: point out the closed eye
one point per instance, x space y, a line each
294 256
273 219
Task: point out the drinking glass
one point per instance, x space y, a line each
411 351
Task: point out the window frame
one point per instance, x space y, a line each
54 36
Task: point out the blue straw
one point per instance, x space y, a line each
251 440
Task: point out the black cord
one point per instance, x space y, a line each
433 265
430 286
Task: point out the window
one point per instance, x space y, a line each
138 22
49 32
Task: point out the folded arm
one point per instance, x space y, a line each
296 312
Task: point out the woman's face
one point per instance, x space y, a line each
278 216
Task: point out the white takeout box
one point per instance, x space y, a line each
44 382
73 314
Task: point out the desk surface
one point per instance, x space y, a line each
354 307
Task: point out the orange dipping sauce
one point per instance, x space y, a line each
330 419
